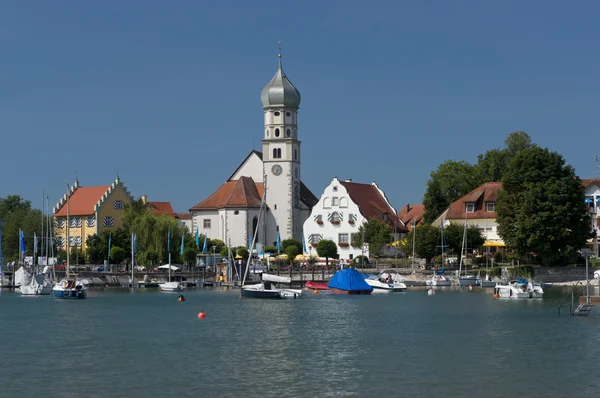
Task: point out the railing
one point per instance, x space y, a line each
571 307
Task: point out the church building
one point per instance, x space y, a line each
232 212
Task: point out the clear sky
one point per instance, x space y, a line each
167 94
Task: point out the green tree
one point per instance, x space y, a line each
328 249
242 251
491 165
376 233
270 249
224 252
189 256
452 180
454 238
117 254
516 142
427 239
541 208
95 250
291 252
16 213
291 242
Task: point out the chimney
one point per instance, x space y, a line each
144 199
348 179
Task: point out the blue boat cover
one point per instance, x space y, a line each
522 281
440 272
349 279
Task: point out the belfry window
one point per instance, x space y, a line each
288 133
276 132
276 153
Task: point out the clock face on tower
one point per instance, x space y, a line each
276 169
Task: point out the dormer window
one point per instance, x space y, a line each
470 208
490 207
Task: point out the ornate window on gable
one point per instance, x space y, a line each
60 222
318 219
470 208
314 239
352 218
327 203
335 201
90 221
74 241
490 206
109 221
119 204
343 240
335 217
343 201
60 241
75 222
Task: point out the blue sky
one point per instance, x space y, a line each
167 94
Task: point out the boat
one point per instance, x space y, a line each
349 281
438 279
487 282
385 282
70 287
33 284
465 279
316 285
268 287
517 289
170 286
4 280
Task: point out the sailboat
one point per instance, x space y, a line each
70 287
170 286
266 288
465 280
32 283
438 279
4 280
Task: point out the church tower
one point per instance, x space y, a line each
281 157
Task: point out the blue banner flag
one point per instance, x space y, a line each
204 248
109 239
169 239
22 241
250 240
303 244
35 243
181 250
278 242
197 240
134 243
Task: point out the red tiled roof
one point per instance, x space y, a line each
372 204
485 193
237 193
162 208
184 216
586 182
82 201
412 214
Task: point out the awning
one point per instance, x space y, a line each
494 243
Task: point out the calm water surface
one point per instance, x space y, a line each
123 344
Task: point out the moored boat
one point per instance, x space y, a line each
349 281
171 286
70 287
316 285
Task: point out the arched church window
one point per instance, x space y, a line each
274 153
279 153
254 224
295 154
276 132
288 132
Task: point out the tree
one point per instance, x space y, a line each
454 237
427 240
242 251
491 165
291 242
95 250
291 252
117 255
16 213
541 208
152 256
224 252
270 249
376 233
328 249
189 256
516 142
452 180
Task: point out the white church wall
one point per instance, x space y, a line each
253 167
207 222
324 224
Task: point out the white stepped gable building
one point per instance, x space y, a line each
231 212
344 206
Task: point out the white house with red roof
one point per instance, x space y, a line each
231 213
478 207
344 206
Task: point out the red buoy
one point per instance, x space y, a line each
201 315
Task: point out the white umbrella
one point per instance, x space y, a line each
166 266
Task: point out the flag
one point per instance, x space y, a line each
22 241
35 243
250 240
109 239
278 242
169 239
197 241
134 243
181 250
204 248
303 243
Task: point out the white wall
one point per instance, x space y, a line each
252 167
331 231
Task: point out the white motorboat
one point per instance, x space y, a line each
268 289
171 287
438 281
70 287
487 282
381 284
468 280
518 289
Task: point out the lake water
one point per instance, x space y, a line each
123 344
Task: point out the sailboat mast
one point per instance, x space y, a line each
414 235
68 210
260 214
41 234
462 247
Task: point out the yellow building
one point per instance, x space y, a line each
91 210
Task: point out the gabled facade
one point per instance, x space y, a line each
592 201
344 206
90 210
478 207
